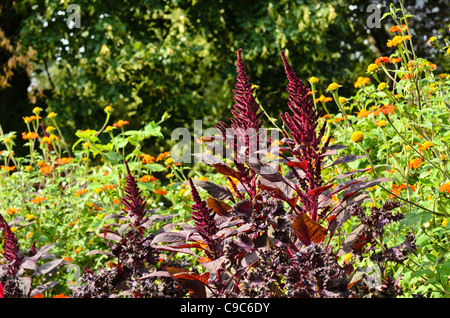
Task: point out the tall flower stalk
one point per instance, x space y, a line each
133 201
304 139
204 223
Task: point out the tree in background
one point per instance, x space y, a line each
147 57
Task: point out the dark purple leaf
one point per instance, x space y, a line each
95 252
219 192
43 288
345 159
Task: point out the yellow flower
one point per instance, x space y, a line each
348 257
381 123
13 229
108 109
397 40
342 100
51 115
50 129
333 86
53 137
357 136
444 222
382 86
426 145
372 67
313 80
78 250
37 110
109 128
170 175
30 217
87 145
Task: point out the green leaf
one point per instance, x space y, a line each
112 157
154 167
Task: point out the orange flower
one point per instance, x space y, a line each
147 158
324 99
7 168
13 210
80 192
46 170
397 40
116 201
162 156
381 60
160 192
396 60
145 178
60 296
29 135
38 199
109 186
63 161
386 109
363 113
396 28
415 163
121 123
362 81
445 187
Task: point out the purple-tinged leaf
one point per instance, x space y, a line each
350 173
95 252
208 158
335 147
170 237
218 192
307 230
366 184
110 235
43 288
346 159
48 267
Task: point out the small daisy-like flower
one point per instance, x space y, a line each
362 81
382 86
357 136
445 187
372 68
37 110
381 123
121 123
426 145
333 87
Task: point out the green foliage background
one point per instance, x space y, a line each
147 57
